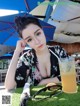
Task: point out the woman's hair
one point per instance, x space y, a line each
23 22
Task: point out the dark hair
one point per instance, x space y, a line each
22 22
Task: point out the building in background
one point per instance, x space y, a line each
4 60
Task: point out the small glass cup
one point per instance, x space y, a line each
68 75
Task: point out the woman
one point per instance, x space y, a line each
39 64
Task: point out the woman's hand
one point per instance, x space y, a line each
49 80
20 46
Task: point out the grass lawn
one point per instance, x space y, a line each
62 99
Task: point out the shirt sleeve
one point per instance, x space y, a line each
61 52
22 71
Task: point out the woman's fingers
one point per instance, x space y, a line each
20 45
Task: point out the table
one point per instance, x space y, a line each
61 100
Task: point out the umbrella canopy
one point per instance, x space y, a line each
8 34
65 15
20 5
60 13
6 56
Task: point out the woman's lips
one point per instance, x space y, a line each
40 46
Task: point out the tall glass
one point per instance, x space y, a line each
68 75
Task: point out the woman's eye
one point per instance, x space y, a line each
29 40
38 33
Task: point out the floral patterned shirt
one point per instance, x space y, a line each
28 70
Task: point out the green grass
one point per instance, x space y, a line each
60 100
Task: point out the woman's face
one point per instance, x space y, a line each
34 36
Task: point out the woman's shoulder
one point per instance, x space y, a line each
60 51
54 47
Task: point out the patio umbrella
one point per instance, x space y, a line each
8 34
65 15
6 56
20 5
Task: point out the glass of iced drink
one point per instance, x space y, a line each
68 75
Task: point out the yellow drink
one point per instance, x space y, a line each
69 83
68 75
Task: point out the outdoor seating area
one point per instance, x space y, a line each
4 64
43 37
70 48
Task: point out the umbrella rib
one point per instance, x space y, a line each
48 26
10 23
64 21
8 37
9 28
73 18
6 22
39 16
5 29
27 6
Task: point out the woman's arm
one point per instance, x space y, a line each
49 80
9 80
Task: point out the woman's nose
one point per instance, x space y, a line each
37 41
